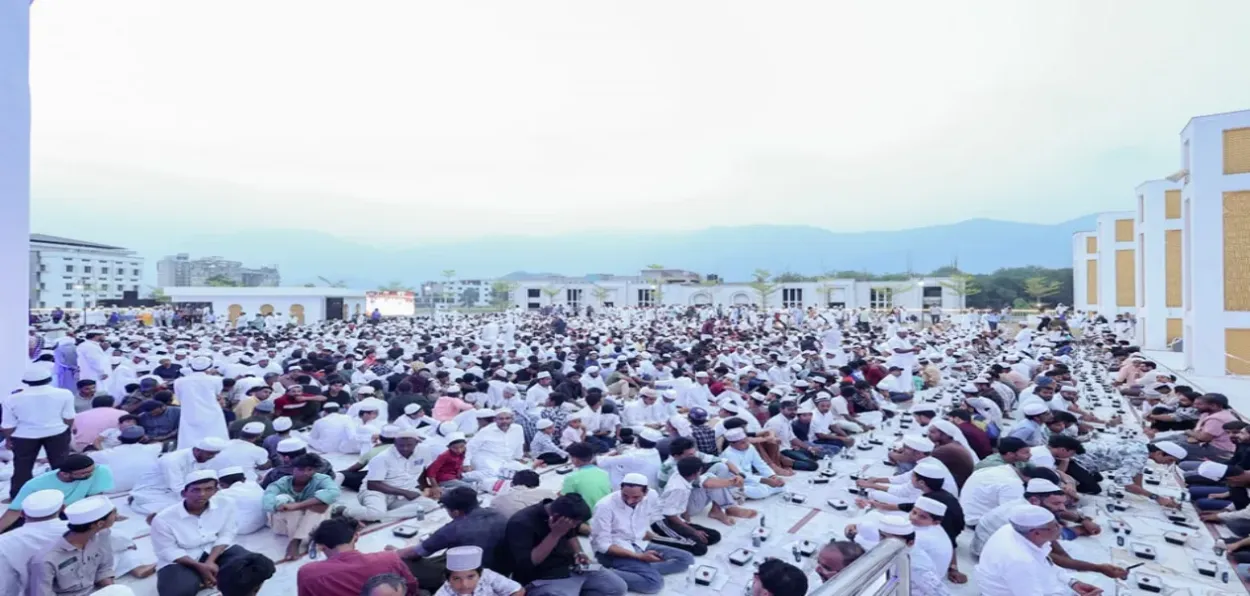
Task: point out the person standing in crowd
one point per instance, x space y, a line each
37 418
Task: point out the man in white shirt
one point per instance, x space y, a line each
497 446
36 418
93 363
334 432
158 487
244 452
41 528
1016 558
645 412
620 536
537 394
246 496
903 353
130 460
697 395
194 537
897 386
392 482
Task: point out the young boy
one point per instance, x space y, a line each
447 471
466 576
543 448
573 433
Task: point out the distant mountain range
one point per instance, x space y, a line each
978 245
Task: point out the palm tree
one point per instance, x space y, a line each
501 292
395 286
763 287
332 284
552 292
961 284
600 293
1040 287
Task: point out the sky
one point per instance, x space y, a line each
402 122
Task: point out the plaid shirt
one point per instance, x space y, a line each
558 417
1122 460
704 438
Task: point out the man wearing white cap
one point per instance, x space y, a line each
194 537
37 417
392 485
245 496
926 516
82 559
620 534
497 446
160 487
1017 556
414 418
760 479
335 432
1030 428
42 527
1124 461
466 576
244 452
645 412
296 504
201 413
925 575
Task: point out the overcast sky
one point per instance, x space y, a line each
401 121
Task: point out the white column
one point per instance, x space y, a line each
14 188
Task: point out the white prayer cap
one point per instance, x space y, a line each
256 428
730 407
592 369
89 510
484 413
408 434
213 444
1212 470
1041 485
230 471
453 437
368 407
823 396
544 423
1034 408
867 535
114 590
634 478
969 388
199 476
930 468
701 374
330 405
947 428
452 390
918 443
1069 389
651 434
501 373
807 408
464 558
1172 449
896 525
923 409
43 503
735 434
446 428
544 375
1041 456
36 373
389 431
201 363
282 424
366 390
1030 516
931 506
412 408
291 445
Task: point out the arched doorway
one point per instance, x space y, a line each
701 299
235 311
266 309
297 313
741 299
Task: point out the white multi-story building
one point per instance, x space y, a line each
1117 289
460 292
70 273
1085 271
1160 314
181 270
641 291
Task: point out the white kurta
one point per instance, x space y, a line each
201 415
93 363
18 547
1012 566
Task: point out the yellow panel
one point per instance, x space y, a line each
1237 251
1172 204
1091 244
297 312
1091 282
1237 151
1125 288
1123 230
1237 351
1176 329
234 311
266 309
1141 273
1172 269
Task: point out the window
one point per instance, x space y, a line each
932 296
136 272
609 304
69 304
69 268
43 305
881 298
104 270
104 287
86 269
69 286
533 306
646 297
573 297
533 293
791 297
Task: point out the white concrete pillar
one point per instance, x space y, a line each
14 189
1159 266
1117 243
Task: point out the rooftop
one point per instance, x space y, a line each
47 239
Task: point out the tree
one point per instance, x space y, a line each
448 296
395 286
158 295
763 287
470 296
655 267
221 281
332 284
961 284
791 278
1040 287
552 292
501 292
600 293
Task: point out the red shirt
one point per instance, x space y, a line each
873 374
447 466
344 574
288 406
978 440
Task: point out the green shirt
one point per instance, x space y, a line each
991 461
591 482
101 481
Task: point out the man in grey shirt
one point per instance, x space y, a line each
81 561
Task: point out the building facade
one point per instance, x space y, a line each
68 273
459 292
1085 271
1117 285
306 305
1160 282
913 295
181 270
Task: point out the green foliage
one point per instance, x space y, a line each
960 283
158 295
789 278
762 286
600 293
655 266
221 281
1003 287
470 296
501 292
395 286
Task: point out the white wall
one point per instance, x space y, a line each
1152 225
14 189
251 302
1203 207
124 274
1107 247
1080 261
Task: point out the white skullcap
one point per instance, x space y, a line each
634 478
895 525
213 444
366 390
199 476
464 558
701 374
412 408
946 427
735 434
592 369
114 590
282 424
730 407
651 434
89 510
230 471
1172 449
918 443
453 437
543 423
446 428
969 388
368 406
43 503
1030 516
501 373
331 405
923 409
36 373
544 375
1041 485
485 413
201 363
389 431
807 408
1034 408
452 390
255 428
931 506
1212 470
867 535
408 434
930 468
291 445
823 396
1041 456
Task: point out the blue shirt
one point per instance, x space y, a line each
101 481
1028 431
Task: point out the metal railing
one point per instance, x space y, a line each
884 570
